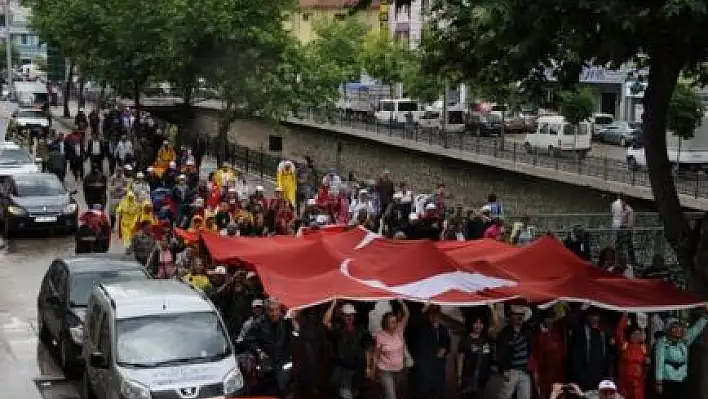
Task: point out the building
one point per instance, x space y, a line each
24 40
302 24
406 22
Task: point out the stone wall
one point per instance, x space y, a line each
470 182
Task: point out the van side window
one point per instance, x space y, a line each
104 339
582 129
386 106
543 129
553 130
407 106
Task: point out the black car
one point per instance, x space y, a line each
484 125
63 296
36 201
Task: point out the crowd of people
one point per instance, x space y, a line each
157 198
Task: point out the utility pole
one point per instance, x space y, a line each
8 45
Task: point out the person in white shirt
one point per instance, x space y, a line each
616 209
140 187
361 203
124 151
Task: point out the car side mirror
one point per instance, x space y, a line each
53 300
98 360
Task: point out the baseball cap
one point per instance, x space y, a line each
348 308
256 302
607 385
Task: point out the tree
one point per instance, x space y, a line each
417 84
3 56
384 59
341 43
685 112
523 40
576 105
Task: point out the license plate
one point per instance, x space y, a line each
45 219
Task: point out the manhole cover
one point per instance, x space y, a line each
57 389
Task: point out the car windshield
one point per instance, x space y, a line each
14 156
163 340
456 117
39 187
603 120
29 113
406 106
81 284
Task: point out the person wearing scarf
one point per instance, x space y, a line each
128 215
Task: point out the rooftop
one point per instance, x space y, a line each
155 297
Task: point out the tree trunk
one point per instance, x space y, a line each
689 239
136 93
226 118
185 115
101 96
67 89
82 97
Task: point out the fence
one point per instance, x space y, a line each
689 183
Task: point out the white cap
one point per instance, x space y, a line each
486 208
322 219
363 191
232 190
523 310
397 195
166 142
607 385
182 177
413 216
173 164
348 308
128 167
256 302
311 202
250 275
199 201
430 207
140 175
278 189
220 270
189 162
259 188
150 169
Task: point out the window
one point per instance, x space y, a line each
406 106
23 39
306 16
386 106
583 129
553 130
340 16
104 339
544 128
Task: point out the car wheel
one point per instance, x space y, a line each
623 142
632 164
86 391
66 359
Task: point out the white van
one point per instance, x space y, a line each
683 154
395 111
556 136
156 339
30 94
432 119
600 121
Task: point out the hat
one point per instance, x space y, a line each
363 191
322 219
311 202
189 162
520 309
256 302
251 275
128 167
397 195
199 201
348 308
413 216
166 142
173 164
232 190
430 207
259 188
220 270
182 177
150 169
140 175
607 385
278 189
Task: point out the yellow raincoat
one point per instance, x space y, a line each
286 179
165 155
128 214
223 176
147 214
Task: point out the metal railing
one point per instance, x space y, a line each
689 183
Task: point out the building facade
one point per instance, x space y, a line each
302 23
24 40
406 22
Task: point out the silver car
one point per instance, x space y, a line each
621 133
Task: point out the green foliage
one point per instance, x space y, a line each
685 112
383 58
340 43
418 84
576 105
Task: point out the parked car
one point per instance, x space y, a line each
485 125
556 136
620 133
16 160
514 124
598 122
64 293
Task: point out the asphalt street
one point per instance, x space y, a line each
27 368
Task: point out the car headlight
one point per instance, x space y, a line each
77 334
71 208
16 210
134 390
233 381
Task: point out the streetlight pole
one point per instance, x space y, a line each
8 45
